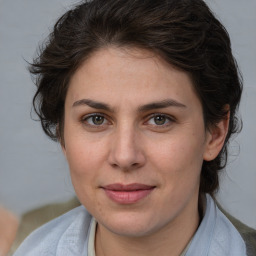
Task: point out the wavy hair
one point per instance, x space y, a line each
185 33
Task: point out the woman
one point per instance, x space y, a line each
142 96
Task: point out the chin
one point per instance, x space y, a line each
131 225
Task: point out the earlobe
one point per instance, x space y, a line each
216 136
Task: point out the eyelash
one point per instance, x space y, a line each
85 119
167 118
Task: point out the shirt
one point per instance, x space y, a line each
91 240
68 235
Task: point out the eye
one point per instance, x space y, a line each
160 120
95 120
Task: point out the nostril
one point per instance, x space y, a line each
114 165
126 168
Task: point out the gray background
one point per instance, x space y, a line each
33 171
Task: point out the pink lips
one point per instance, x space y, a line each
127 194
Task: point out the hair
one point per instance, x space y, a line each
185 33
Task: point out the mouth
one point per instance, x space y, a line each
127 194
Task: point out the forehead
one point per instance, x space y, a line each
131 76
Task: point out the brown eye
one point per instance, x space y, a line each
160 120
98 120
95 120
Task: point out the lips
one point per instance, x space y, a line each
127 194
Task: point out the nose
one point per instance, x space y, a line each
126 150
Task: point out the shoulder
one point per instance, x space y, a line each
247 233
59 235
226 238
216 235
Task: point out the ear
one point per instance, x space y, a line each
215 138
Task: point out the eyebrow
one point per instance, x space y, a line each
154 105
161 104
92 104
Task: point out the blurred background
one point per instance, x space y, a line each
33 171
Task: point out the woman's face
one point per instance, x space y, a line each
135 141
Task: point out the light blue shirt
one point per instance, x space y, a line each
68 235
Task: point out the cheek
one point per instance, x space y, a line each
179 158
178 150
83 152
84 164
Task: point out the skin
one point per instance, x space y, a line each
133 141
8 229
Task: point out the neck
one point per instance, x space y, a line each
173 238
